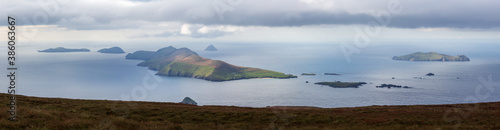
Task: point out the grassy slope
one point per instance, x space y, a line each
187 70
57 113
220 73
430 56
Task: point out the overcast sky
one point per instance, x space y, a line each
244 20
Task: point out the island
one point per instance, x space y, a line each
170 61
339 84
113 50
311 74
62 49
430 56
391 86
211 48
332 74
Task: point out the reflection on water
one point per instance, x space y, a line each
94 75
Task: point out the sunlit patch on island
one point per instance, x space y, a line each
183 62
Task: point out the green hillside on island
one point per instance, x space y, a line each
183 62
430 56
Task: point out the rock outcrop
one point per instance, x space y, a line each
189 101
62 49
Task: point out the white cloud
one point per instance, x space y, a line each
185 29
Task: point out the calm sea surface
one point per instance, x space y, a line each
92 75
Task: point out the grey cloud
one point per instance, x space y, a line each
79 14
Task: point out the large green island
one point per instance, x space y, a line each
430 56
183 62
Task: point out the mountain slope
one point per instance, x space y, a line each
183 62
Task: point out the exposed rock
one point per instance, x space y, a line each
188 100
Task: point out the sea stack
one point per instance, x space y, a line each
211 48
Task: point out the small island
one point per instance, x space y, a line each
211 48
62 49
170 61
332 74
310 74
430 56
391 86
112 50
339 84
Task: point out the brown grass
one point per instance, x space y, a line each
58 113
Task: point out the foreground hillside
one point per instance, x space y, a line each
57 113
183 62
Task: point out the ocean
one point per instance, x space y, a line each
93 75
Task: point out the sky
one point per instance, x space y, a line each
298 21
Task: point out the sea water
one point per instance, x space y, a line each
93 75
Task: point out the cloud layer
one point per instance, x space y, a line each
117 14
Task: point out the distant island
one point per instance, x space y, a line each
183 62
430 56
332 74
114 50
311 74
391 86
339 84
211 48
62 49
